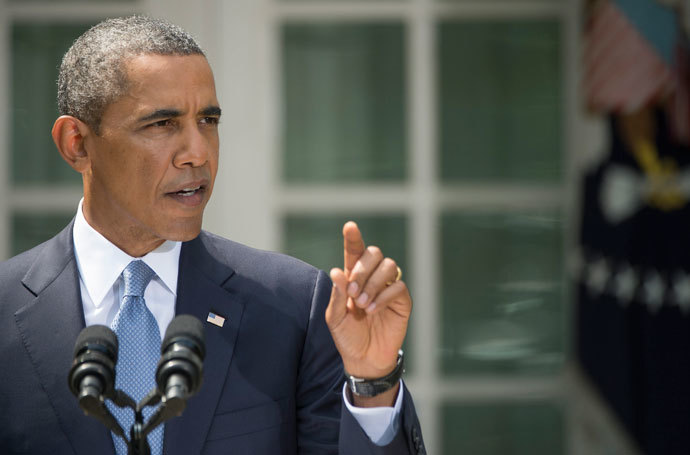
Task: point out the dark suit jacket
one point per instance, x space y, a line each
272 376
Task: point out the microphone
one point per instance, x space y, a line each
92 375
180 369
93 371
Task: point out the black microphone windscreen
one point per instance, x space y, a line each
188 328
97 337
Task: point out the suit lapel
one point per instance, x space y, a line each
200 291
49 325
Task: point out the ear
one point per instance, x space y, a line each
68 134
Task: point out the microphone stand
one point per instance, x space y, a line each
169 408
138 444
172 403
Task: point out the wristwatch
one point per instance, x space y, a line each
372 387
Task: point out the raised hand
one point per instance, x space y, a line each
368 312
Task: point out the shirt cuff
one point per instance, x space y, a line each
380 424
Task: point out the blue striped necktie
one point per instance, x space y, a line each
140 344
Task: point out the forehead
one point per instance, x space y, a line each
155 79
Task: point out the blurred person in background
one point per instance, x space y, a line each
634 288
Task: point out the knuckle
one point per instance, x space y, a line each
389 264
396 287
352 248
375 251
399 289
360 277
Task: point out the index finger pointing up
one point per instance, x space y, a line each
353 245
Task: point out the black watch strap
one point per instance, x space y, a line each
372 387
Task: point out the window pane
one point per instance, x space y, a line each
503 429
502 293
317 239
344 107
37 50
500 100
28 230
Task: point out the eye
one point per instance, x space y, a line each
161 123
210 120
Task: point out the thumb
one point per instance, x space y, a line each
337 307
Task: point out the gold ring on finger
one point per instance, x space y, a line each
397 277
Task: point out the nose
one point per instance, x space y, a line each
194 149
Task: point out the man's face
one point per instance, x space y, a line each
153 165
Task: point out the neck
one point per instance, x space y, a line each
135 242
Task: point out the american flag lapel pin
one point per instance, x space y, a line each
215 319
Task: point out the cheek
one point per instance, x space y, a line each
147 163
214 163
138 180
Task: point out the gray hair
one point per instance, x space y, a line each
93 74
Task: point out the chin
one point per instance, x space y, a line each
183 232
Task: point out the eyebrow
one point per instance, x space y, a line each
211 111
167 113
160 113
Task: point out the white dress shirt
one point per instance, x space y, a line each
100 266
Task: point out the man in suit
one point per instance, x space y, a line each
139 120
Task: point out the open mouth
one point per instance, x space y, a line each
191 195
187 192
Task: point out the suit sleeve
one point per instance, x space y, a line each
324 425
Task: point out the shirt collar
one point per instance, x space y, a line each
101 263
